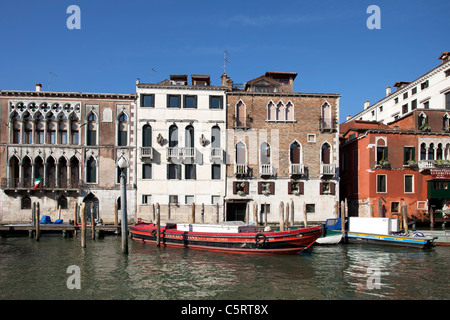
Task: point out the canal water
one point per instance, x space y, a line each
42 270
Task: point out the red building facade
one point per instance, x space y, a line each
384 165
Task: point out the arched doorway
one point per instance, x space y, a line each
91 206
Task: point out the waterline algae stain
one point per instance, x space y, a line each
40 270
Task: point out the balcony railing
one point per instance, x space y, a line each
216 154
46 184
266 169
296 169
240 169
146 152
327 169
178 152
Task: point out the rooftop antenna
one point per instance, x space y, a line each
225 61
50 74
151 74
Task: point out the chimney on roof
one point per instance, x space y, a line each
38 87
349 117
388 91
226 82
366 105
445 56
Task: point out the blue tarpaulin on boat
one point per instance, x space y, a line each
59 221
45 220
333 224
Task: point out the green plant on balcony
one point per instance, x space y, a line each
442 163
425 127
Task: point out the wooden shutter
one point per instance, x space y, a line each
259 187
246 187
321 188
234 187
332 188
272 187
300 187
290 187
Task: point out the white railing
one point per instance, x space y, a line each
327 169
296 168
240 168
265 169
177 152
147 152
426 164
216 153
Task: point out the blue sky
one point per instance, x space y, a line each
326 42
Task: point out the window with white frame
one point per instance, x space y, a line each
409 183
381 183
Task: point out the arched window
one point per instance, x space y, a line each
326 154
215 137
62 202
430 155
74 171
15 123
280 111
25 202
62 130
189 137
50 173
28 126
38 172
326 116
265 153
241 157
173 136
439 152
290 111
26 172
39 129
122 138
51 128
62 173
423 151
91 137
240 115
91 171
146 136
271 111
14 171
295 153
74 130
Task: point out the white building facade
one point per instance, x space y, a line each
430 91
181 139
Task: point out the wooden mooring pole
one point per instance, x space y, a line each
38 218
92 221
83 225
281 216
158 225
405 216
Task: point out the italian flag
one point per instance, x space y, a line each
37 182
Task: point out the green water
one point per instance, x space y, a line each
38 270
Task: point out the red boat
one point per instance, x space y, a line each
226 237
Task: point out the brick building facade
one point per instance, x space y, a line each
60 149
282 147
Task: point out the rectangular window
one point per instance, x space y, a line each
173 199
190 102
405 95
409 183
146 171
173 101
409 155
414 91
382 154
426 105
146 199
381 183
189 200
395 206
447 73
396 100
424 85
215 200
447 101
405 108
148 101
189 171
215 102
310 208
174 171
215 171
414 104
52 137
63 137
311 138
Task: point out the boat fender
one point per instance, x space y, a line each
260 236
418 234
153 233
324 230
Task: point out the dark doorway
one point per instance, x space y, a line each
236 211
91 202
